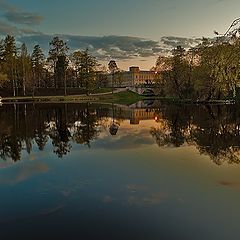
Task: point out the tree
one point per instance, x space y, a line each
76 60
102 76
58 48
85 65
37 58
9 59
61 67
113 68
26 68
179 73
3 75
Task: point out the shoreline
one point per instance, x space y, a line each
125 98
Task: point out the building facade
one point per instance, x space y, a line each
133 77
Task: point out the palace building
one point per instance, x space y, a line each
133 77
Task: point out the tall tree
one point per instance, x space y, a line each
37 58
113 68
76 59
61 67
9 58
25 62
180 72
58 48
86 68
3 75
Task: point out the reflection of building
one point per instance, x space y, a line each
132 77
141 114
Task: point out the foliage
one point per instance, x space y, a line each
209 71
85 66
37 59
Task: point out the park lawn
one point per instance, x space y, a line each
124 98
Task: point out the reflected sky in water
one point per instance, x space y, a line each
87 171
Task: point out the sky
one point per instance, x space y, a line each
132 32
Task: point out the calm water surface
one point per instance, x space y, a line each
148 171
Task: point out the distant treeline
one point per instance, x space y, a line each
22 73
208 71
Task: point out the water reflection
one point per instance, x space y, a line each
213 130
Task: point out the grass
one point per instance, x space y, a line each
52 98
173 100
124 98
103 90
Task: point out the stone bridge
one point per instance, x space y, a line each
145 90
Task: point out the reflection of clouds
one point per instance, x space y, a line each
67 190
152 199
136 195
229 184
50 211
23 172
66 193
6 164
141 197
108 199
32 157
126 139
135 188
42 213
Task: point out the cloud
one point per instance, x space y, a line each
6 28
173 42
24 18
17 16
4 6
18 22
113 47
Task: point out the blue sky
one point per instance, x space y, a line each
149 20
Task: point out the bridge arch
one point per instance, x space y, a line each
148 92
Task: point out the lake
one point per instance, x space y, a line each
101 171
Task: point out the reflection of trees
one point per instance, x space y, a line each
215 131
22 125
87 128
114 126
173 128
41 139
60 134
41 132
10 148
221 144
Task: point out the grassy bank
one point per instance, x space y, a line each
69 98
125 98
192 101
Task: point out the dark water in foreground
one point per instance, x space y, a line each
148 171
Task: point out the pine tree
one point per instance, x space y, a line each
9 58
37 59
58 48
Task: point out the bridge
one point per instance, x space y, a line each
146 90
